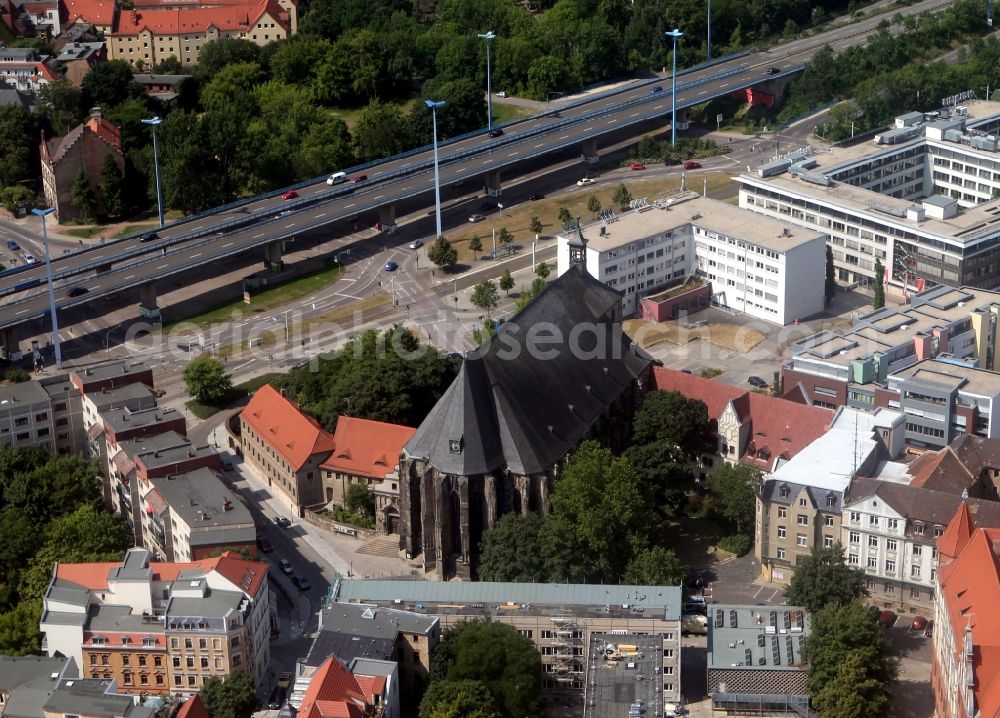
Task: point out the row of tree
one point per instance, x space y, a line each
50 510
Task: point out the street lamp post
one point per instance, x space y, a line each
154 123
489 37
709 43
675 33
52 292
437 178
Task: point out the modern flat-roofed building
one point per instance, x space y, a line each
26 416
756 663
559 619
771 269
919 198
111 375
26 682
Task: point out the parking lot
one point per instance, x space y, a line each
615 684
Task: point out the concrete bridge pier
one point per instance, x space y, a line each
272 256
589 153
492 184
387 218
148 307
10 344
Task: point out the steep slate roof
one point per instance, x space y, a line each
956 467
526 409
367 448
293 434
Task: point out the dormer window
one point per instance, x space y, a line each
783 492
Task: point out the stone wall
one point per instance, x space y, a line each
314 519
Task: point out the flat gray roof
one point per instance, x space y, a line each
24 393
756 637
372 620
30 682
134 392
122 419
981 382
173 455
110 370
215 604
89 697
937 200
201 499
119 619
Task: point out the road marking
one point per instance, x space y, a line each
228 244
658 107
259 234
634 114
348 206
163 266
539 145
23 311
564 137
515 152
131 276
195 256
611 121
287 226
703 92
379 197
321 214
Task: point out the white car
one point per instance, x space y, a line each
286 567
28 258
501 94
584 182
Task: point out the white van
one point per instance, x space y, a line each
694 623
337 178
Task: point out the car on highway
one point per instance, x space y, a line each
391 266
290 194
636 166
756 382
476 217
13 246
282 522
149 237
692 165
358 178
496 132
302 582
264 545
584 181
28 258
501 94
535 196
416 244
772 71
656 90
76 291
286 566
337 178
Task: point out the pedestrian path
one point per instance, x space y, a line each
387 546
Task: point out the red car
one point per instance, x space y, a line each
886 619
692 165
637 166
919 623
358 178
290 194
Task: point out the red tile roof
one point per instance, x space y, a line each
96 12
334 692
778 427
957 535
970 589
941 471
193 708
294 435
93 576
135 640
367 448
176 21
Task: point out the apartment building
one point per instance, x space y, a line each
890 531
969 466
917 198
111 375
559 619
770 269
367 452
361 687
800 505
25 70
188 517
965 668
954 324
160 627
285 447
27 681
90 698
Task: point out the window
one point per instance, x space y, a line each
803 502
828 541
890 566
203 644
872 541
190 680
781 554
802 520
828 521
852 559
893 524
855 537
873 520
914 593
872 562
782 512
870 584
917 550
801 540
890 544
144 679
157 662
915 571
188 643
177 661
781 532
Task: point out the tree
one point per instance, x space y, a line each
736 488
879 300
536 288
61 103
458 699
511 550
217 54
16 195
505 236
83 199
831 282
497 656
110 83
656 566
360 500
622 196
536 225
843 638
506 282
564 216
205 378
484 296
593 204
19 538
442 253
233 697
672 417
475 246
543 270
19 634
665 475
380 131
823 578
112 187
18 145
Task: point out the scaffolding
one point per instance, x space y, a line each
567 650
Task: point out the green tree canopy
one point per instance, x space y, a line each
442 253
495 655
61 104
19 634
110 83
823 577
205 378
485 296
225 51
458 699
83 199
656 566
232 697
536 225
112 187
736 488
475 245
359 500
879 299
672 417
381 131
622 197
664 473
511 550
506 282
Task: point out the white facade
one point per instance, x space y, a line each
767 269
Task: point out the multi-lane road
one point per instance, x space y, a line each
112 267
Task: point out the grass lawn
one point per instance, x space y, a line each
734 337
83 232
131 228
509 113
262 301
202 411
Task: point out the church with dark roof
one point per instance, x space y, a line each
558 372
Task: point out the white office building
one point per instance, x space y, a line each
767 268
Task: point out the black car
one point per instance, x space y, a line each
76 291
264 545
757 382
149 237
282 522
773 71
535 196
277 697
496 132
